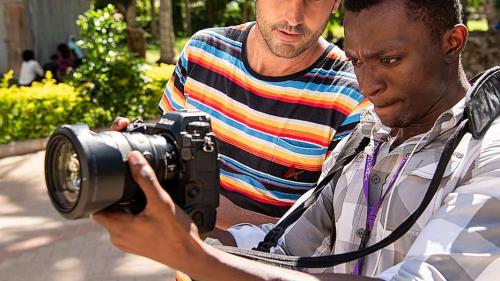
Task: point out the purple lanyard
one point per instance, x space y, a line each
373 210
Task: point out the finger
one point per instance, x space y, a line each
119 123
110 219
144 175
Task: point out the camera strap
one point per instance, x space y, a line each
480 111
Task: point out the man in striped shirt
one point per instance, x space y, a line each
280 97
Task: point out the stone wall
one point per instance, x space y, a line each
482 52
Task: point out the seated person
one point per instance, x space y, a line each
30 69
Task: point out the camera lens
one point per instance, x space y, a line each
86 172
66 173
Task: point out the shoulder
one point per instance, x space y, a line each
489 146
228 36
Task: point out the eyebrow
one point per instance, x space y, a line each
377 53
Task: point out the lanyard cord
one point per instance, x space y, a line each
373 210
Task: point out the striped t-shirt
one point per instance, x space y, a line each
273 132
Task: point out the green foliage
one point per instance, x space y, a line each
33 112
6 79
110 75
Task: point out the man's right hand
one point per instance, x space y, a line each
120 124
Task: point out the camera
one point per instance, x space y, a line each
87 172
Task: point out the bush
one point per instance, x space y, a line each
33 112
110 75
111 82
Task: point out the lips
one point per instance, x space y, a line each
383 104
286 36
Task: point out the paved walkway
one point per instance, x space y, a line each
37 244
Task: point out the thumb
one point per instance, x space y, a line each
144 175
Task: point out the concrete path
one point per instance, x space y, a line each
37 244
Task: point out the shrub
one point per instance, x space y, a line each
110 75
33 112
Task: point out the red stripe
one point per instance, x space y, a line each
233 78
232 188
167 103
260 153
222 108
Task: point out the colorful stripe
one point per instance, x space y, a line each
273 135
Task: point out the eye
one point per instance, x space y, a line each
389 60
355 62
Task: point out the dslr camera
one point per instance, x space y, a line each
86 171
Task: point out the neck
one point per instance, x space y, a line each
263 61
455 91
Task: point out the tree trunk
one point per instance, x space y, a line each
210 13
246 10
492 14
167 37
188 26
155 33
131 14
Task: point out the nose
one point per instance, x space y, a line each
294 12
370 83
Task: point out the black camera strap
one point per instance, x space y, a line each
354 145
480 111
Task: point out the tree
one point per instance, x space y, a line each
155 33
167 37
188 26
491 8
246 10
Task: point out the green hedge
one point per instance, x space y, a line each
35 111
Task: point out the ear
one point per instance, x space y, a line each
336 5
454 41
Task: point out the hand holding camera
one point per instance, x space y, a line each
87 172
162 231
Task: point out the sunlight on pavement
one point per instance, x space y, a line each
68 269
8 207
31 243
131 264
26 223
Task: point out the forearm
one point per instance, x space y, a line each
213 264
222 235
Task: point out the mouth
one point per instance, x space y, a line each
381 105
288 36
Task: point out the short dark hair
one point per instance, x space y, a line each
28 55
438 15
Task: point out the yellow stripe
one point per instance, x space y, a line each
272 123
276 91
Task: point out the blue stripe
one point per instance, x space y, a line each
262 177
276 194
351 119
261 135
341 135
182 59
333 73
175 105
324 88
179 75
225 39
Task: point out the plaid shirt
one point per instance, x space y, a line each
456 238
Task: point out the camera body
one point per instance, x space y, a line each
86 172
197 182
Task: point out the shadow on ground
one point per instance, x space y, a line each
36 243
